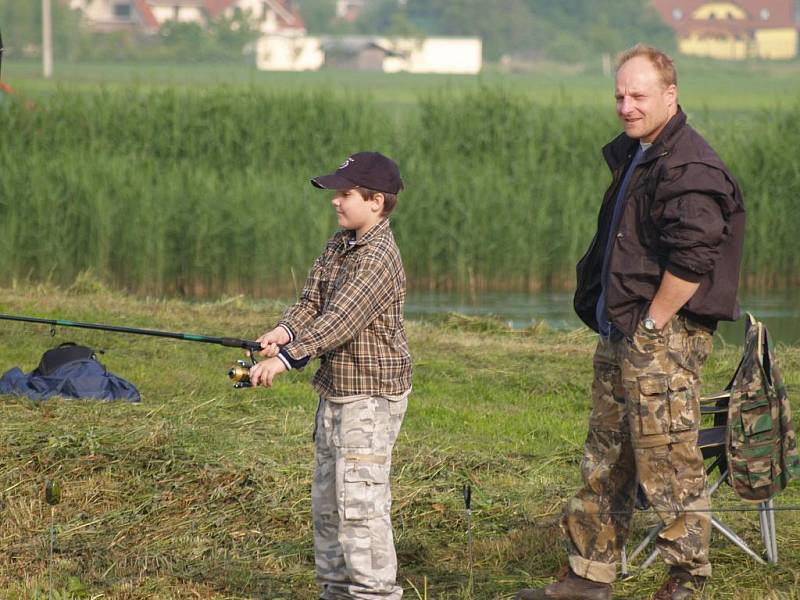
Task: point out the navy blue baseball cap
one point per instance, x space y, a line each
371 170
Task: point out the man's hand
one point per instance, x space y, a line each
272 340
264 373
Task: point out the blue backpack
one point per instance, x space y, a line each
70 371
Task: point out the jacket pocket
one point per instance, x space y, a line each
757 422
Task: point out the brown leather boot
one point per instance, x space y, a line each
681 585
570 587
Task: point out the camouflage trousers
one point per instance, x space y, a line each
351 500
643 430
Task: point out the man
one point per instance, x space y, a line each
662 269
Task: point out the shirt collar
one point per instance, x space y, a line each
376 230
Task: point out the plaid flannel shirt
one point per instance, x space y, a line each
351 315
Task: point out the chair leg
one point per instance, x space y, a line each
763 520
624 559
728 533
773 533
650 558
764 525
768 532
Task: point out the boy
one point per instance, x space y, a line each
350 314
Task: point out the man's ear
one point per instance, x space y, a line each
378 200
672 93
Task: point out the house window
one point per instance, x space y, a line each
764 14
677 14
122 11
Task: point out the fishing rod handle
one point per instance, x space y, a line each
237 343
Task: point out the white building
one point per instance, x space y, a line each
435 55
411 55
150 15
280 52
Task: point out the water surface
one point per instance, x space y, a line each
780 311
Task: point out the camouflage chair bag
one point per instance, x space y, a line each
761 445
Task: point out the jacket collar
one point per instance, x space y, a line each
621 148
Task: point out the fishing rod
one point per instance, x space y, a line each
239 373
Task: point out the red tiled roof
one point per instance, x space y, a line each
780 13
215 7
147 16
286 8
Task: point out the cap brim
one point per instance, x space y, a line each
333 181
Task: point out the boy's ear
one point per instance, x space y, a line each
378 200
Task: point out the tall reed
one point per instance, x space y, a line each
203 193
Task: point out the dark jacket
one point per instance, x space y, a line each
85 378
683 213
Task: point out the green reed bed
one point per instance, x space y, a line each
201 193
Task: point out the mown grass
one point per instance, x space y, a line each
199 193
202 491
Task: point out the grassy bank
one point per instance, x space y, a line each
199 192
202 491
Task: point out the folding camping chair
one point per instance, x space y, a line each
712 441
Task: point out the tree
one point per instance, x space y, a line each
318 15
22 28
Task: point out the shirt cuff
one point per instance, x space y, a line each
292 363
288 330
685 274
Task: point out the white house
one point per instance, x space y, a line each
281 52
435 55
411 55
149 15
349 10
116 15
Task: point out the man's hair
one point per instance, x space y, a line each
663 64
389 200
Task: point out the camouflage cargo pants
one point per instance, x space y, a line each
643 429
351 500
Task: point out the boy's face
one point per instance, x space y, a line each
356 213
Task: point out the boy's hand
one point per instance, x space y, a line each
272 340
264 373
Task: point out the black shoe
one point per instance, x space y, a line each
570 587
681 585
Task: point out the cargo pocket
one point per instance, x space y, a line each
653 404
366 487
754 472
757 421
684 410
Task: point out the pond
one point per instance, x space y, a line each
780 311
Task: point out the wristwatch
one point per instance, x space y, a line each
649 324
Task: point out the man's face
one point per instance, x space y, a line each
644 104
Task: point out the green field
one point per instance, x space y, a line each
202 491
705 85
